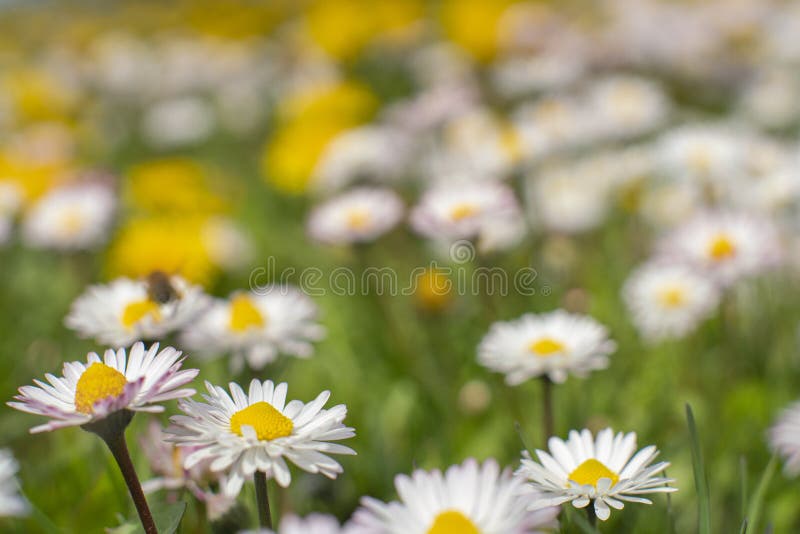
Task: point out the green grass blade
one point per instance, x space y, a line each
757 502
700 478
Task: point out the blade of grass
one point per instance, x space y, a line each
757 502
700 478
743 484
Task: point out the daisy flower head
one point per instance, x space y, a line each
470 498
241 433
602 470
553 344
727 246
311 524
127 310
88 393
784 438
460 210
668 301
625 106
12 504
701 153
71 217
256 328
358 216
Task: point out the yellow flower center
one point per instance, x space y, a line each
462 211
98 381
590 471
358 219
453 522
72 221
136 311
244 314
672 297
268 422
722 248
546 346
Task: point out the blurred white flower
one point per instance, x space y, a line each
784 438
227 244
178 122
373 153
461 209
72 217
126 310
668 301
256 328
12 504
569 199
524 74
725 246
357 216
553 344
624 106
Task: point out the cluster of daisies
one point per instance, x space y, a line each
216 444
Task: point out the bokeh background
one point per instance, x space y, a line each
215 123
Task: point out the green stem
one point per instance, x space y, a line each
548 423
119 449
262 500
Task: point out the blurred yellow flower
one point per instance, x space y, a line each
344 28
474 25
37 95
308 121
433 289
188 187
174 245
32 176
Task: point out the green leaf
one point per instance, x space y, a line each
700 478
756 503
581 521
166 515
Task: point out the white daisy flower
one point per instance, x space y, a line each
12 504
551 344
178 122
784 438
92 391
72 217
726 246
459 210
311 524
126 310
626 105
256 328
375 153
602 469
700 153
551 124
475 144
668 301
358 216
467 499
243 433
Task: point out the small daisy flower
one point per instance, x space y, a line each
470 498
460 210
258 327
311 524
668 301
90 392
625 105
603 470
727 246
358 216
552 344
12 504
126 310
240 434
708 154
72 217
784 438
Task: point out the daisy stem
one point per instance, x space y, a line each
592 516
262 500
547 408
119 449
